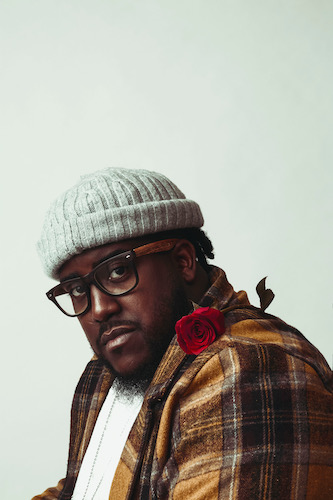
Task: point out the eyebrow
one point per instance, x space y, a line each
95 263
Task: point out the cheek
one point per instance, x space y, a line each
143 308
91 331
154 289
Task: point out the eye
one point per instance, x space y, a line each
118 272
77 291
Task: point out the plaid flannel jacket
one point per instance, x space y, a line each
251 417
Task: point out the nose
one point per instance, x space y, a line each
102 305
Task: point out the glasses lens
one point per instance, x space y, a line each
117 275
72 297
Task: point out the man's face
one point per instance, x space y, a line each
131 332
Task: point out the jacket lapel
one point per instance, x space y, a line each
131 461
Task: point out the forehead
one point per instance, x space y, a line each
88 259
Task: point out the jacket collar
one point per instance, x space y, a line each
219 295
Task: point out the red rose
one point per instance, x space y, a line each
198 330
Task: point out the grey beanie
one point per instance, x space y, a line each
112 205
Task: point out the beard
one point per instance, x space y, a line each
172 306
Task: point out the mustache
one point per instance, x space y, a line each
107 325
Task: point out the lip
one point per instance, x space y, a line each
116 337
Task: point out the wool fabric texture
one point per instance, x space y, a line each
249 418
112 205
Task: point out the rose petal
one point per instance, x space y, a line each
198 330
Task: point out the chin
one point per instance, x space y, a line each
142 372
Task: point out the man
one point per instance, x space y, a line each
235 404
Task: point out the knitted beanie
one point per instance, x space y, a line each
112 205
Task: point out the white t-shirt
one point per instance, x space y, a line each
108 439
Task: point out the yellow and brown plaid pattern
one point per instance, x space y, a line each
251 417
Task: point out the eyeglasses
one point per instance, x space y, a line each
115 276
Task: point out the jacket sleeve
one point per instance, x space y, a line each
88 398
255 422
51 493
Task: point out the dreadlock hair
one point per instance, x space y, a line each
202 244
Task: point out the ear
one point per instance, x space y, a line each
184 257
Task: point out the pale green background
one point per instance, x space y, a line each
231 99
